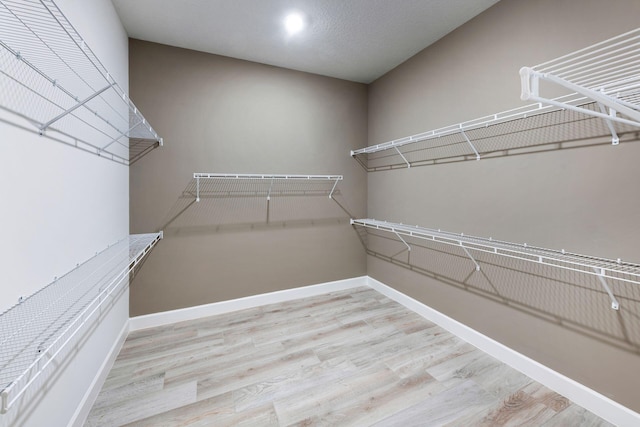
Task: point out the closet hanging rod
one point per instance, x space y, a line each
482 122
607 72
600 267
39 328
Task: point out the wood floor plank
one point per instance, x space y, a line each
351 357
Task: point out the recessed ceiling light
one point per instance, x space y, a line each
294 23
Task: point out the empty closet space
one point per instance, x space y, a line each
320 213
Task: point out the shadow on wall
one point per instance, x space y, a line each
573 300
245 205
552 131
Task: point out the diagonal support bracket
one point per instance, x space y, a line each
333 189
615 140
75 107
470 257
403 157
469 142
601 275
403 241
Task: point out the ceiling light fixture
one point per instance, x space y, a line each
294 23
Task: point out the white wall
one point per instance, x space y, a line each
60 206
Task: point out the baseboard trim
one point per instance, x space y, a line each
81 414
582 395
191 313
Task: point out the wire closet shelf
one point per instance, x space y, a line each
601 267
603 82
267 185
36 331
608 73
51 79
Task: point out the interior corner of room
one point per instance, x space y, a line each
412 179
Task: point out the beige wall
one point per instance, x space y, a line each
583 200
223 115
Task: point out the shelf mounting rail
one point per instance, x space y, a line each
600 267
607 73
53 80
35 332
272 179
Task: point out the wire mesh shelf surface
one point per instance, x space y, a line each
35 331
267 185
602 267
50 77
607 72
531 128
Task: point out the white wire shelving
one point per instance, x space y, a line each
34 332
531 127
267 185
604 269
51 78
607 73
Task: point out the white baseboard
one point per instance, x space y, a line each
81 414
582 395
191 313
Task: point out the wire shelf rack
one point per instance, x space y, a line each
530 128
267 185
607 73
52 79
601 267
40 327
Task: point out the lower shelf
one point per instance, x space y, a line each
601 267
34 332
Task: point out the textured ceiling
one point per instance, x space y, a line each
358 40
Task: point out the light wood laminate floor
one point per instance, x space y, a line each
346 358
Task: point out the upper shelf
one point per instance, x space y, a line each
604 81
34 332
268 185
607 73
50 77
600 267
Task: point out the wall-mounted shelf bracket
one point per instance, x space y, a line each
615 140
614 302
607 73
470 257
469 142
403 157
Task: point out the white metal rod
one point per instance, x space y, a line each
403 158
584 110
614 302
270 187
333 189
615 140
78 105
197 189
403 241
469 142
592 94
471 257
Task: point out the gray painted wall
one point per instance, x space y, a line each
581 200
224 115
